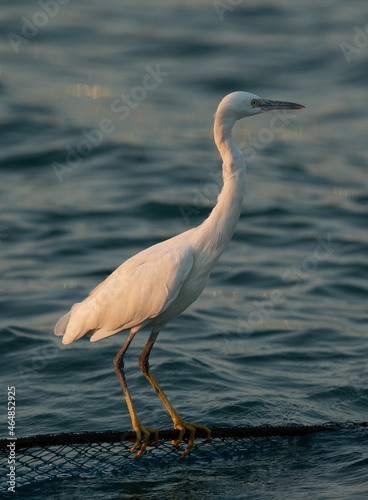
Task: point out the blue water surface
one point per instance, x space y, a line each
106 117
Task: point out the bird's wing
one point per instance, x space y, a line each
139 290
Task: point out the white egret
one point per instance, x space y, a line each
157 284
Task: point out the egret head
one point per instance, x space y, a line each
242 104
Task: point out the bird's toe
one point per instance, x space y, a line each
191 428
143 435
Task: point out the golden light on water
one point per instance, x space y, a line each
92 91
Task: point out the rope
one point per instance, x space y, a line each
49 456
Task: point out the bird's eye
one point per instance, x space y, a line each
254 103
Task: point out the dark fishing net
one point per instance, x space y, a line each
50 456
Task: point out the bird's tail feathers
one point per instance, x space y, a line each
80 320
61 325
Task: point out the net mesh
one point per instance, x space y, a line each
45 457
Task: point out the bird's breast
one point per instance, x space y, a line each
189 293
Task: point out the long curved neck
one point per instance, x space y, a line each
219 227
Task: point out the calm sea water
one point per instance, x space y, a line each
106 118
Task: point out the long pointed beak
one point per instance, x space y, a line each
268 105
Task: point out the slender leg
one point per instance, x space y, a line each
178 422
137 426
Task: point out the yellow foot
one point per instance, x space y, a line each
143 434
184 426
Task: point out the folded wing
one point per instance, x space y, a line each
137 291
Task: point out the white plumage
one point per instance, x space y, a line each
157 284
135 294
